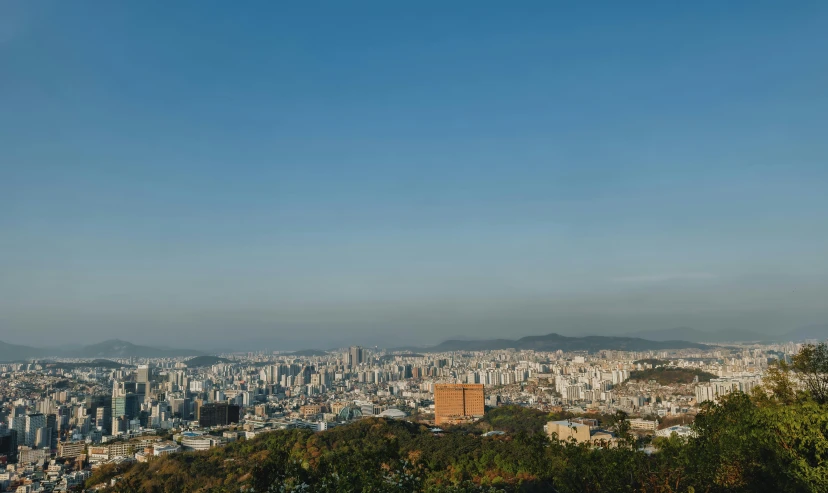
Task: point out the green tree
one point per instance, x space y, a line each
811 365
777 386
622 426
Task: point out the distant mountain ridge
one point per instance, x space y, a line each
307 352
14 352
554 342
114 348
819 332
695 335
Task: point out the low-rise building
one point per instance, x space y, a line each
310 410
682 431
165 448
643 424
568 430
71 450
203 442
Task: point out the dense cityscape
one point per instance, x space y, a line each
63 419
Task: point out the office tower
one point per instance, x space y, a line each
8 444
124 406
273 373
142 374
45 406
355 355
52 426
120 425
101 409
142 382
218 414
120 388
43 438
63 417
17 411
457 402
18 424
84 424
178 379
34 422
180 406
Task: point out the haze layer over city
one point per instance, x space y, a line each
287 177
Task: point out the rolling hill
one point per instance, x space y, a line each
554 342
200 361
107 349
817 331
14 352
123 349
668 376
98 363
307 352
695 335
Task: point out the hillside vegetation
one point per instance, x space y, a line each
97 363
741 447
307 353
668 376
200 361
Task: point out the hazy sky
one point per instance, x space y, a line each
209 174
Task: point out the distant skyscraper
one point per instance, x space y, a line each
124 406
52 426
34 422
123 388
18 424
142 381
355 356
8 444
142 374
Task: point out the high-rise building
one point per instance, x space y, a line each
142 374
125 406
34 422
42 438
355 356
218 414
8 444
52 426
123 388
457 402
18 424
103 419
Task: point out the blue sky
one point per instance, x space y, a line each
206 174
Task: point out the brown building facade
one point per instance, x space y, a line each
456 402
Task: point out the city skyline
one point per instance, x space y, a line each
180 176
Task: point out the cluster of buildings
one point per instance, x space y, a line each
136 409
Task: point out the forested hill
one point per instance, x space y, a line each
200 361
665 375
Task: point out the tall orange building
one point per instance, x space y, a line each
457 402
